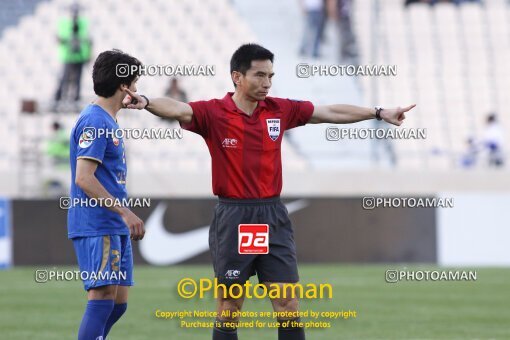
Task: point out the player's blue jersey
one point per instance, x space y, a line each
93 137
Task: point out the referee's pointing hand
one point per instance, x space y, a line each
133 100
395 116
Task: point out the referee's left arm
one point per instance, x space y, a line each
345 114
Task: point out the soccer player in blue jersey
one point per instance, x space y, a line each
101 234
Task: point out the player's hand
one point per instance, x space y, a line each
135 224
395 116
132 100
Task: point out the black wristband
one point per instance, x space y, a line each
147 99
378 110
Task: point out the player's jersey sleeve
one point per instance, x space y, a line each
200 119
90 144
295 112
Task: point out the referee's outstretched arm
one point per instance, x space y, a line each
344 114
334 114
162 107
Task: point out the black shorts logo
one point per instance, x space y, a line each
253 239
232 274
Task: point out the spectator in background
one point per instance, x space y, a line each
74 51
315 18
493 141
175 92
341 11
58 146
57 149
470 157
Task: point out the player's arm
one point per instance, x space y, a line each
87 181
162 107
344 114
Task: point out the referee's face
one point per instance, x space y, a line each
256 83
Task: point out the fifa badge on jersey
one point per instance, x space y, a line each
273 128
86 138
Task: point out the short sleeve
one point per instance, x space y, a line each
90 143
200 119
297 113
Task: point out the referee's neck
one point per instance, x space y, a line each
244 103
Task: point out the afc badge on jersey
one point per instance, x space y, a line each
273 128
86 138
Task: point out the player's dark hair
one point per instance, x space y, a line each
107 75
244 55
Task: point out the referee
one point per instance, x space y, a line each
243 132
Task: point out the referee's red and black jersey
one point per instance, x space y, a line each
246 150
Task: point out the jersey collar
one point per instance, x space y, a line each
105 112
229 104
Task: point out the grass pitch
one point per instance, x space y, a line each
404 310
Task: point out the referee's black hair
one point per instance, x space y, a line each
112 69
244 55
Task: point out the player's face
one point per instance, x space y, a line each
132 87
257 80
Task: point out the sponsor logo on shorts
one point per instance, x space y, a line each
253 238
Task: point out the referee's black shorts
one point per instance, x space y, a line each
279 265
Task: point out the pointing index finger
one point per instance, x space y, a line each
131 93
409 107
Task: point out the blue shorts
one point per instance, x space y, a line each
104 260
